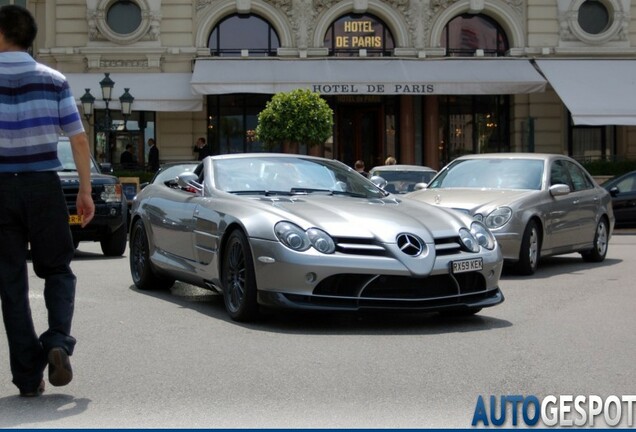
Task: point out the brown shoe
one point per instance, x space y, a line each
60 372
34 392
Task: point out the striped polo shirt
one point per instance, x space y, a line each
36 106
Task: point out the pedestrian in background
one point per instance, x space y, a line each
153 155
127 159
390 161
33 210
359 166
202 149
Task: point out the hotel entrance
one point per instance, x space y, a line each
358 134
364 129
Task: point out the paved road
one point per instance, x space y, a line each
149 360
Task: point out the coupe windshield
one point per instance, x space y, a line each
290 176
491 174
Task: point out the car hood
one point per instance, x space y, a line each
71 177
470 199
358 217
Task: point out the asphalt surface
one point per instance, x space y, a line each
174 359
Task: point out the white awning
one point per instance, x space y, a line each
152 91
367 76
597 92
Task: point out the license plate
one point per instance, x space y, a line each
74 219
468 265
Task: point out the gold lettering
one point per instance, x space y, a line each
366 42
342 41
358 27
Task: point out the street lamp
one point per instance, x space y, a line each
88 101
126 101
88 105
107 84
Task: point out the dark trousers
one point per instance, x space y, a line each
33 212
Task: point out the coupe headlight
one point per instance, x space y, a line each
296 238
498 217
321 241
484 237
468 240
111 193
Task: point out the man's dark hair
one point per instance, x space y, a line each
18 26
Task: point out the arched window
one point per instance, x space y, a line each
474 124
354 32
239 32
465 34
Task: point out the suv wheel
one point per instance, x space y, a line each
115 243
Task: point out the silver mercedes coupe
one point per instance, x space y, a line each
294 231
535 204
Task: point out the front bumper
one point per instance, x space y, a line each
344 282
108 218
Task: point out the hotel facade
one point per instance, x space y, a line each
422 80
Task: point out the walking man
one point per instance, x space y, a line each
153 155
202 149
36 105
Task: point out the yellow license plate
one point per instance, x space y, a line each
74 219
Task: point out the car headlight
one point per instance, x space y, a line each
498 217
468 240
321 241
297 239
111 193
484 237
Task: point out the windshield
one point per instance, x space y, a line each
491 174
403 181
290 176
65 156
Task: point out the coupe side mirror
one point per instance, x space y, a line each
188 181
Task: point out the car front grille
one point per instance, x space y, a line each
349 291
400 287
371 247
70 193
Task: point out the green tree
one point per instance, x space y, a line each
293 118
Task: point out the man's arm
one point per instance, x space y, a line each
81 155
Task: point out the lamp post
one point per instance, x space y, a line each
126 101
88 104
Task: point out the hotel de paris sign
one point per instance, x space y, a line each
365 34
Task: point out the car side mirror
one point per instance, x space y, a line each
419 186
106 168
614 191
559 189
379 181
189 180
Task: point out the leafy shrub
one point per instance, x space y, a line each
299 116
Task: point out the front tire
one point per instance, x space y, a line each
143 275
530 250
239 282
601 243
115 243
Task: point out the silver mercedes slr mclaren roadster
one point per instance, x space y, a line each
294 231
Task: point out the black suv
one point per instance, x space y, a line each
109 226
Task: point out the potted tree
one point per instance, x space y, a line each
295 118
